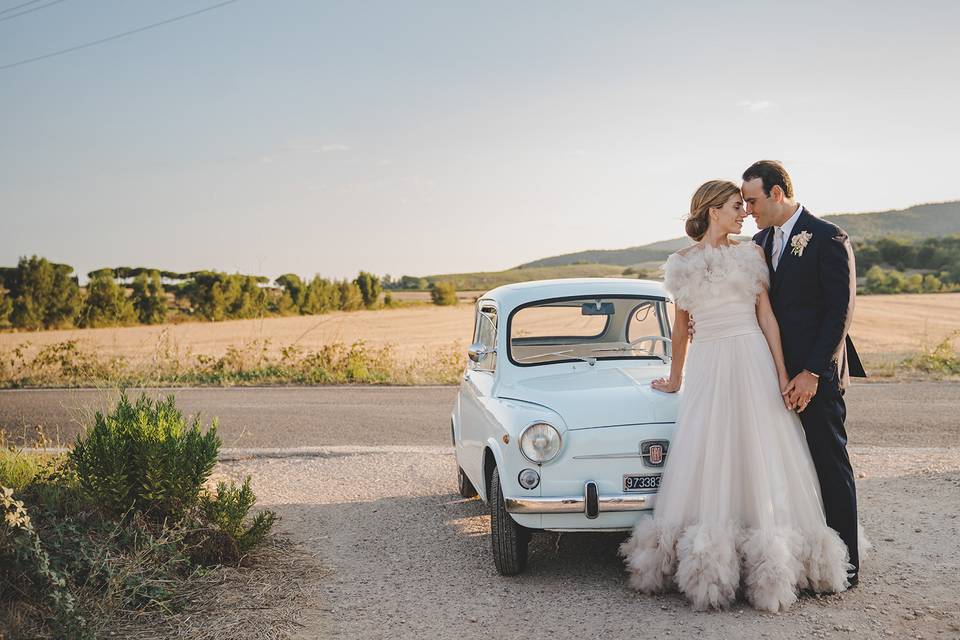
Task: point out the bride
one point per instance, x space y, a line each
739 508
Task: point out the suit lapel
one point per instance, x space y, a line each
788 261
768 247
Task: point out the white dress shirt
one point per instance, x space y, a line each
786 229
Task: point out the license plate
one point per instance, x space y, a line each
649 483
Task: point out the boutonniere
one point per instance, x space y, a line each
799 242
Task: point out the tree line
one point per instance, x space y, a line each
934 264
39 294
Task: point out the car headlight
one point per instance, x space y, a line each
540 442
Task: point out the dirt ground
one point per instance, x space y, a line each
884 327
408 558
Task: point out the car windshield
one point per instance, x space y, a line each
589 329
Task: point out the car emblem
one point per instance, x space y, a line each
656 454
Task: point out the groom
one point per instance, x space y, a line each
812 290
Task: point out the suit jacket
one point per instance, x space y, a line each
813 296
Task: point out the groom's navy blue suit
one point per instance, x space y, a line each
812 296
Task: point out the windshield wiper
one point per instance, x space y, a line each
589 361
664 359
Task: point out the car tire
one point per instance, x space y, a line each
509 540
464 484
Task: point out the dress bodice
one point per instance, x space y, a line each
719 287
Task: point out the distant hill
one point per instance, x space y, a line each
920 221
484 281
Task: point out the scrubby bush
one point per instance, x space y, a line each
106 304
321 296
74 552
293 292
149 300
219 296
351 298
45 295
145 457
6 306
370 288
443 293
226 512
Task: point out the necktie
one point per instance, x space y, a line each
777 247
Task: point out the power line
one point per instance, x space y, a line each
23 13
115 36
18 6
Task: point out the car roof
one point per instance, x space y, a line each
513 295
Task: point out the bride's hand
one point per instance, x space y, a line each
667 385
784 381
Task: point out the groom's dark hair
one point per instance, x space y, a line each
772 174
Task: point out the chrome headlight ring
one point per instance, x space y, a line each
540 442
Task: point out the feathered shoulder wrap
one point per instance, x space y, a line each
706 273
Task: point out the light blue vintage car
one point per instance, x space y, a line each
555 425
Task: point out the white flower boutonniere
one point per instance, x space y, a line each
799 242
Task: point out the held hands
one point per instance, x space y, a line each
667 385
800 391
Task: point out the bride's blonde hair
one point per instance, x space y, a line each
714 193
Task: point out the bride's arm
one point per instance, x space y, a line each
771 331
679 339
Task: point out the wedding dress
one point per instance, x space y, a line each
739 507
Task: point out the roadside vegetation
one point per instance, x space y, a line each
124 523
69 364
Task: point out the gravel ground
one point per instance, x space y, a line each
408 558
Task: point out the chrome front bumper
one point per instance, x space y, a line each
580 504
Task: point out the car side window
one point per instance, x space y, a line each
487 336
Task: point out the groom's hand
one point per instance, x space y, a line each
801 390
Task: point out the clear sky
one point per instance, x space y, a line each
427 137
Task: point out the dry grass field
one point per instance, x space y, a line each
884 328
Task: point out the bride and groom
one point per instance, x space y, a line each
758 494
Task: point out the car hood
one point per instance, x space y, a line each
593 398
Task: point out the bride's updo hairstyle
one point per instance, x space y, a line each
713 194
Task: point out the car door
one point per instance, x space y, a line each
475 391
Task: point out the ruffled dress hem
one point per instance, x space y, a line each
712 564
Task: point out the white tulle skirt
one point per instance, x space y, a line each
739 508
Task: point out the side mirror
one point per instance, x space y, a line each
477 352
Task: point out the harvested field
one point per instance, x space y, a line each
885 328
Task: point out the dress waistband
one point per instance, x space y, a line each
716 324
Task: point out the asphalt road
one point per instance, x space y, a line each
908 414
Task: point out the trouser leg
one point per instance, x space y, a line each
827 438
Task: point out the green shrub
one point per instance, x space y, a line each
226 512
370 288
45 295
6 306
351 298
144 457
941 359
149 299
74 558
16 469
443 293
106 303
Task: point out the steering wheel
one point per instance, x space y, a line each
667 343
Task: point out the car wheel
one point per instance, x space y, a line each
508 538
464 484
